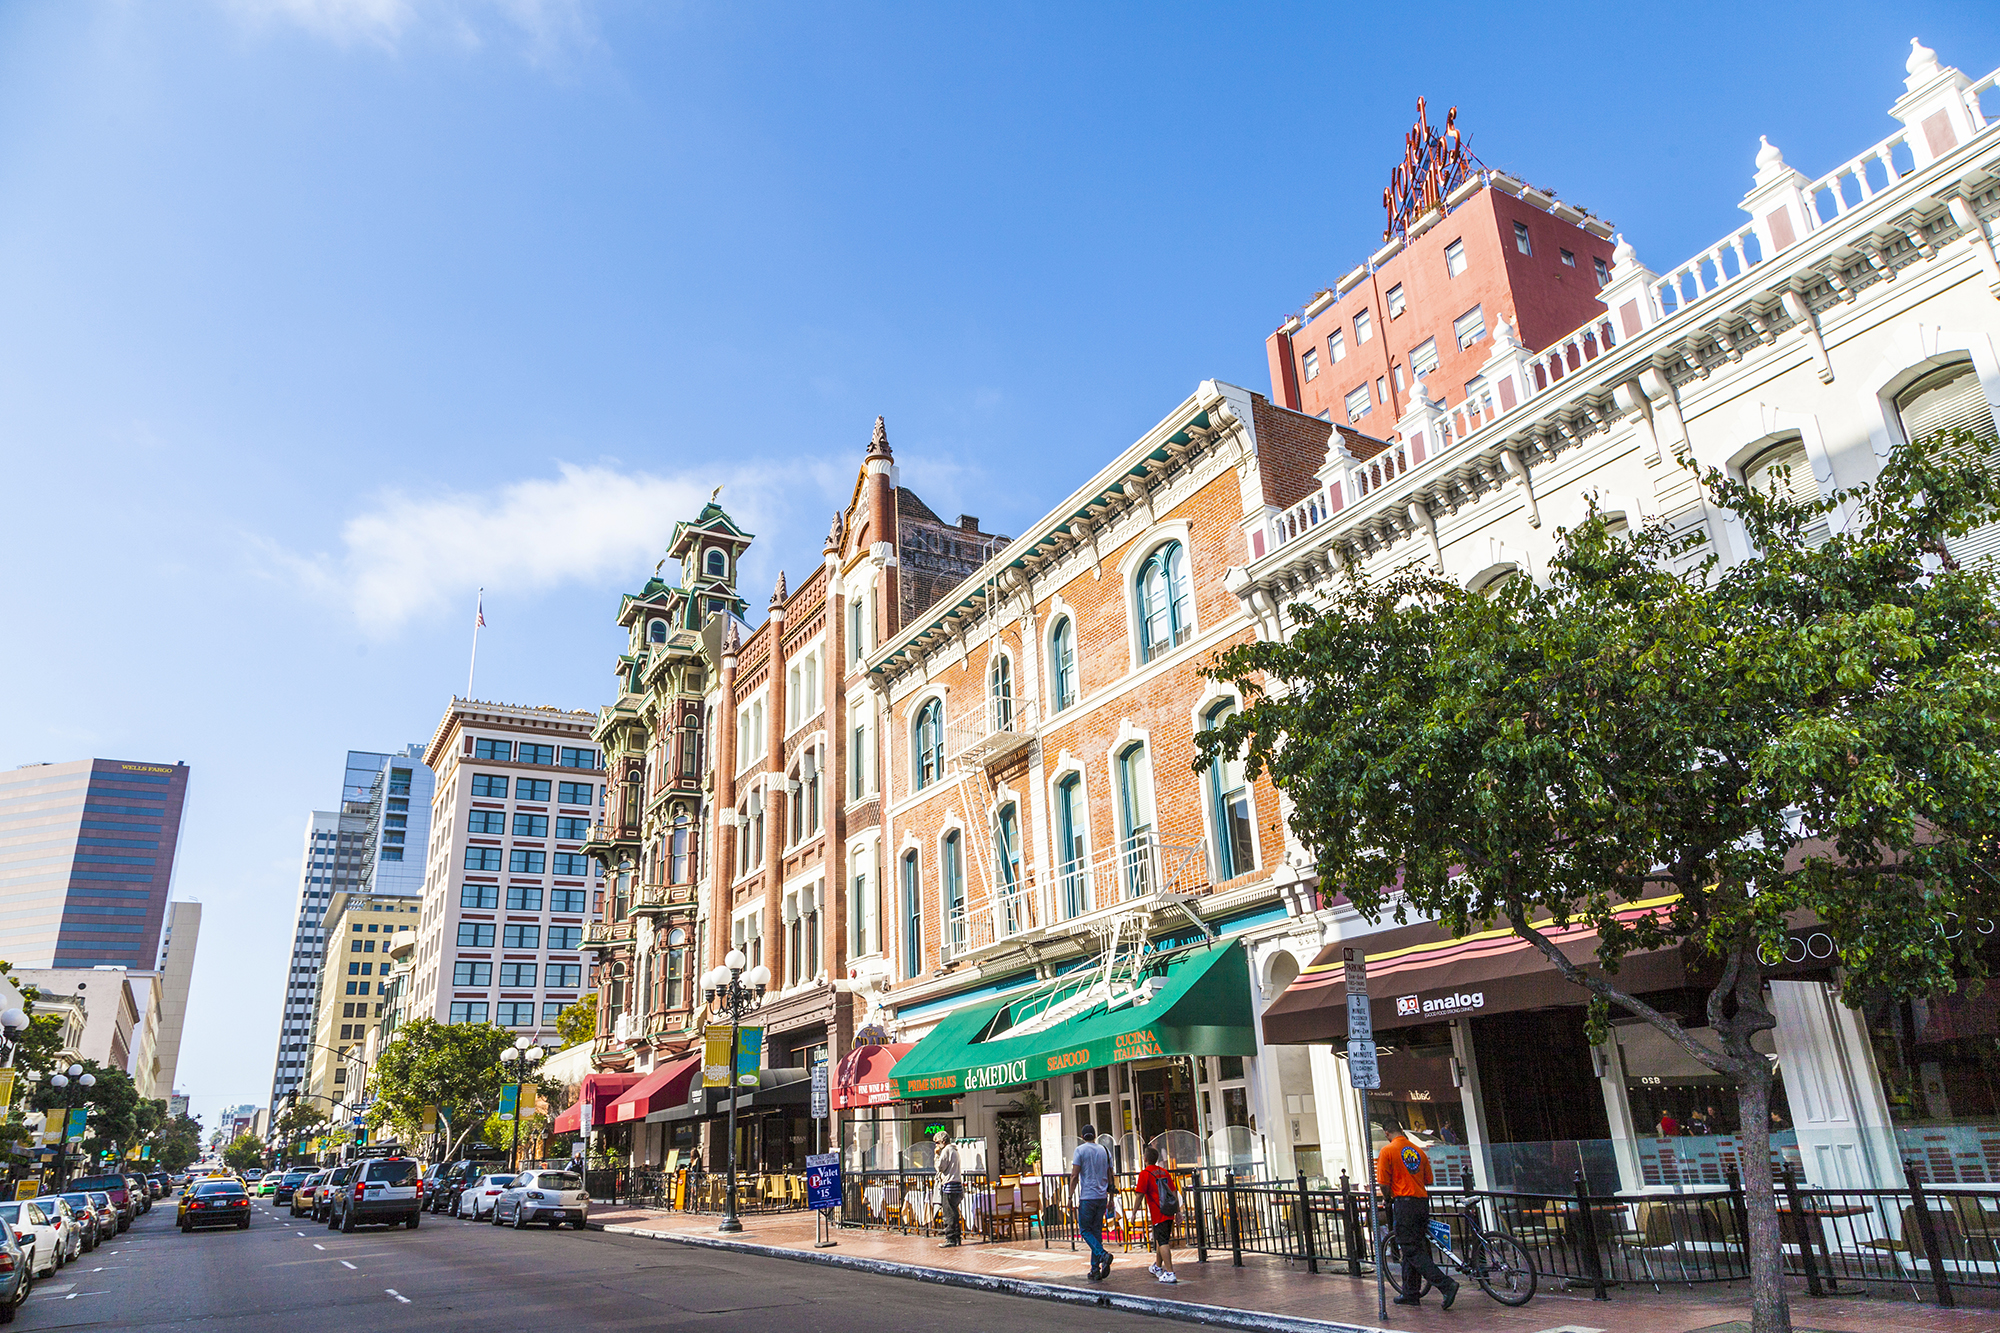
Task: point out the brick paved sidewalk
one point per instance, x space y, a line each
1269 1291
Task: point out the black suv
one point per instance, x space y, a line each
329 1189
382 1189
445 1185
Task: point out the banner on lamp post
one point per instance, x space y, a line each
510 1097
77 1119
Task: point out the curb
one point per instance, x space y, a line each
1214 1316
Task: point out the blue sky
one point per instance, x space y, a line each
315 315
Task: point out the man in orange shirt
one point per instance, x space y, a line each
1403 1170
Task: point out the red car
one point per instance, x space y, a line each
120 1190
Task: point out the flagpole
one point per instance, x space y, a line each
478 619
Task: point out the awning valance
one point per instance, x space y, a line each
1199 1004
863 1078
664 1087
775 1088
1420 974
600 1090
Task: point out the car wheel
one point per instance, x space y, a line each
347 1222
244 1225
332 1223
185 1228
521 1215
412 1220
577 1224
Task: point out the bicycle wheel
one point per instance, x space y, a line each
1503 1269
1390 1259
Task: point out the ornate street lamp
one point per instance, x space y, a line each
738 993
66 1078
520 1060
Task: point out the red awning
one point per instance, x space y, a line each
664 1087
600 1090
863 1077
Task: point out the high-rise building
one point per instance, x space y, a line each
363 846
177 1103
176 970
87 861
352 994
508 889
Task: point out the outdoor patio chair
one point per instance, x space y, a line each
1652 1235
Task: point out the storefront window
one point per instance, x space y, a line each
1419 1096
1939 1061
1684 1117
1543 1103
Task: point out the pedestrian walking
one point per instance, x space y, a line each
951 1185
1163 1205
1090 1179
1403 1170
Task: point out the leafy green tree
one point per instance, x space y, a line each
436 1064
114 1104
577 1023
247 1151
176 1142
1813 730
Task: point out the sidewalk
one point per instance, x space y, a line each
1269 1293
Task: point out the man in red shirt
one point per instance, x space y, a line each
1156 1184
1403 1170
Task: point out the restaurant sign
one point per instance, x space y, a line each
1142 1044
1453 1002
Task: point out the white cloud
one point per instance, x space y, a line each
415 555
543 28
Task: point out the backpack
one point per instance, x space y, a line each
1167 1197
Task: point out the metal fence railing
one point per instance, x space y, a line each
1929 1239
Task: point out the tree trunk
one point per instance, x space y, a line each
1769 1310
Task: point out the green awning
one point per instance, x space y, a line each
1200 1005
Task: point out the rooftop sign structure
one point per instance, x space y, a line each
1433 166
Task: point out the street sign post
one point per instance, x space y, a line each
819 1092
1364 1072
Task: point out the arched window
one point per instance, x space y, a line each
1136 821
1070 824
1062 663
715 563
913 917
951 885
1786 472
929 757
656 631
1166 618
1947 401
1229 802
1007 861
677 854
1000 691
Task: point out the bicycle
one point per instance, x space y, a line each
1493 1259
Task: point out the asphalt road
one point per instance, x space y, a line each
446 1275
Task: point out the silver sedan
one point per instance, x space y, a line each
552 1196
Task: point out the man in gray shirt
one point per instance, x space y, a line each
1090 1177
951 1185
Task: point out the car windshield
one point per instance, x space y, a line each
101 1183
77 1200
294 1177
503 1181
393 1173
101 1199
561 1180
223 1187
11 1212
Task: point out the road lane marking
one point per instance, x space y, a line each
345 1264
318 1246
397 1294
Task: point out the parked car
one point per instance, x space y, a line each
17 1275
381 1190
69 1231
217 1203
88 1220
120 1190
31 1226
335 1182
550 1196
158 1180
478 1197
304 1191
107 1214
443 1186
253 1175
142 1198
281 1193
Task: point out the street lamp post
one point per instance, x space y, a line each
519 1059
68 1078
12 1023
738 993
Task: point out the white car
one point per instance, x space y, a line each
69 1231
36 1234
477 1199
550 1196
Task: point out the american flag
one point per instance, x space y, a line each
479 614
